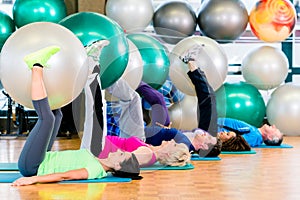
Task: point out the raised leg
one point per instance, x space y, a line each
206 100
37 142
131 119
159 110
58 117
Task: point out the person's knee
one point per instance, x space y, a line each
158 98
58 114
25 170
47 120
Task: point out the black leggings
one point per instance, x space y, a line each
40 138
207 110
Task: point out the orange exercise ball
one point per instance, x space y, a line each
273 20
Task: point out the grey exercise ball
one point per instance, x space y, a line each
212 60
283 109
183 114
174 20
265 67
223 20
131 15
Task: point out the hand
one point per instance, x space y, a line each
192 66
163 126
25 181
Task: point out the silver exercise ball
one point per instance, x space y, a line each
183 114
223 20
265 67
283 109
212 60
67 70
174 20
131 15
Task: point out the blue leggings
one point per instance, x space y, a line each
40 138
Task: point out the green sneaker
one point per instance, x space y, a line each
41 56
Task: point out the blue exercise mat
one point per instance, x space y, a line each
11 177
9 167
238 152
158 166
283 146
196 157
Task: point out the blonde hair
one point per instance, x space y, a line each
180 156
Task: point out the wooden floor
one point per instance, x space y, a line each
269 174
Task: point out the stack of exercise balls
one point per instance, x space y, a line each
174 20
223 20
273 20
137 56
266 68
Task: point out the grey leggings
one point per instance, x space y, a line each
40 138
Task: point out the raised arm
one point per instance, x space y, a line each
77 174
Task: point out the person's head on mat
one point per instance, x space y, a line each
233 142
122 164
168 153
213 150
205 144
271 135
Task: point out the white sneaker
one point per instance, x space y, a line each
94 49
191 54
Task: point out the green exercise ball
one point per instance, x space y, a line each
28 11
94 26
7 27
241 101
155 58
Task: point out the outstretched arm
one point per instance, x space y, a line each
50 178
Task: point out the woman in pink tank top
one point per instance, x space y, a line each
168 153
